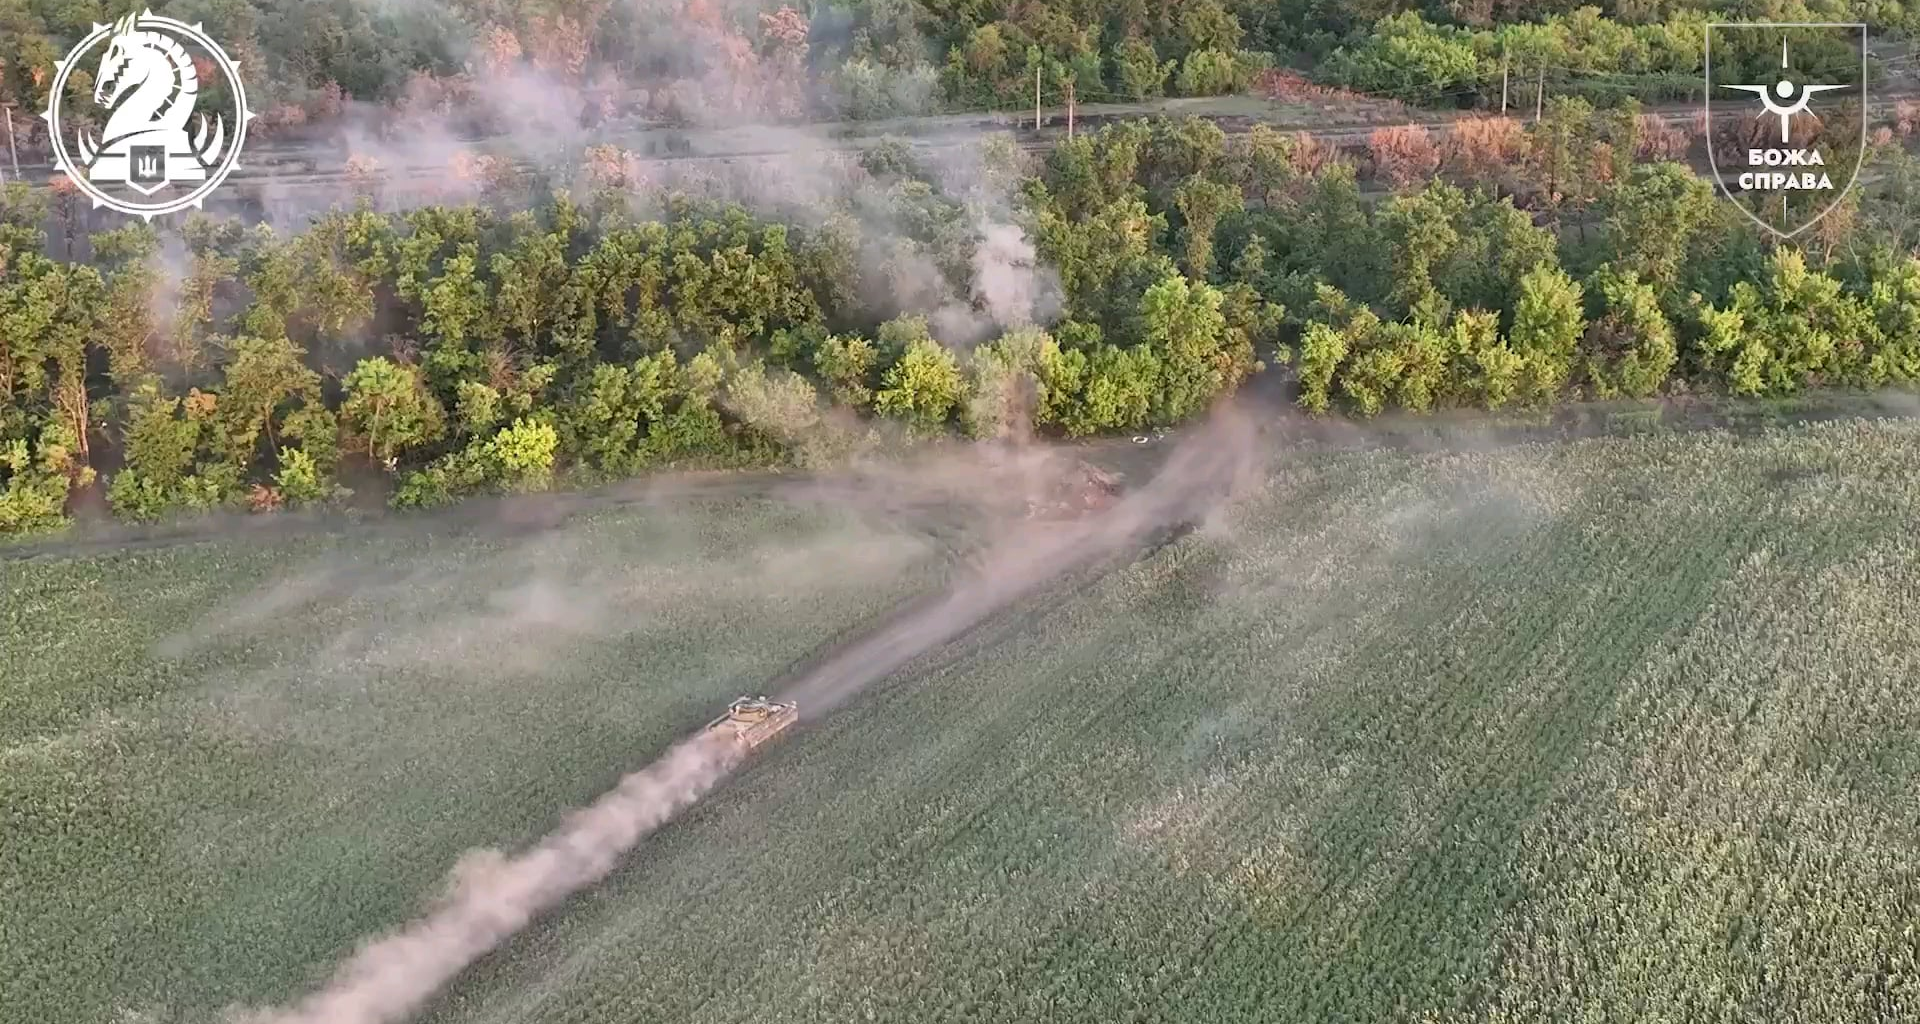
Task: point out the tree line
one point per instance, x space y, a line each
456 349
728 60
1476 63
517 344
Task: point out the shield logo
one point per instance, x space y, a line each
1786 117
147 168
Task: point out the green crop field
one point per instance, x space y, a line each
1606 730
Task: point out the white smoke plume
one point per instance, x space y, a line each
1010 280
493 897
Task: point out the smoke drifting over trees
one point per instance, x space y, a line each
551 310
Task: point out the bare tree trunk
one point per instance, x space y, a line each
11 147
82 422
1504 74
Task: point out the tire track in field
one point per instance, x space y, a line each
1144 686
876 873
1147 692
1112 538
878 877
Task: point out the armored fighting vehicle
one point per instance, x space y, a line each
752 721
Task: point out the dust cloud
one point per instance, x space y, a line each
428 149
492 896
394 975
1203 470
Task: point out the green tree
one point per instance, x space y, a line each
478 409
1323 348
846 363
1209 25
128 327
1548 322
1794 328
1629 349
300 480
1017 380
923 387
1499 246
1486 369
1106 388
389 409
1560 145
1202 202
1409 59
1421 350
195 314
781 405
613 412
1265 165
1620 126
1653 218
1422 234
454 317
1894 300
34 497
521 455
1340 241
1209 73
1370 378
1138 68
164 441
1199 357
261 378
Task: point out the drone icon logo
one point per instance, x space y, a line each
1786 182
1783 99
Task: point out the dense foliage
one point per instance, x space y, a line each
455 349
1606 731
728 60
1583 51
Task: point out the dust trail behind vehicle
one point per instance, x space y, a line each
392 976
1198 474
493 896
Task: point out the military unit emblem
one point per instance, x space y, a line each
157 150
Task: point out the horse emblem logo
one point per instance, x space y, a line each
166 142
